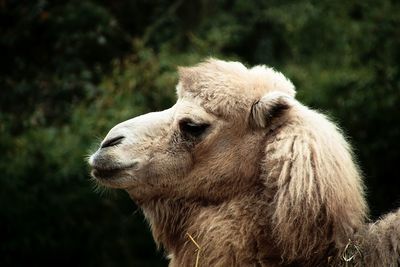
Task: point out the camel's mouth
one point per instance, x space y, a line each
102 173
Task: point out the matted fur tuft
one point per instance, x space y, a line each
316 194
380 242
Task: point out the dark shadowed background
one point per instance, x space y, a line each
70 70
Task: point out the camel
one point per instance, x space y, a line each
240 173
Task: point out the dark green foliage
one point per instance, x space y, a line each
70 70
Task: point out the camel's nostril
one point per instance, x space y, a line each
112 142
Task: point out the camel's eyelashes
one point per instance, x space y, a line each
191 128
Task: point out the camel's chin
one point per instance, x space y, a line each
114 178
106 174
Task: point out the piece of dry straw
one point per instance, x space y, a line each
198 249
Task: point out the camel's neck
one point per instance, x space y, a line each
170 220
226 232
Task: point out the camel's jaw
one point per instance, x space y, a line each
117 178
109 174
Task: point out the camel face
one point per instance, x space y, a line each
204 147
172 152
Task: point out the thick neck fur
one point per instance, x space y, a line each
230 233
170 220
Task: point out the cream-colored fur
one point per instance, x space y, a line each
241 168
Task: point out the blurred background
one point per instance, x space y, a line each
70 70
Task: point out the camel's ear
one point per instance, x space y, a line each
270 106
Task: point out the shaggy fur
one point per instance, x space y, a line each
268 183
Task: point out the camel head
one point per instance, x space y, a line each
237 138
206 146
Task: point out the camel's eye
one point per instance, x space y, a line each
191 128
